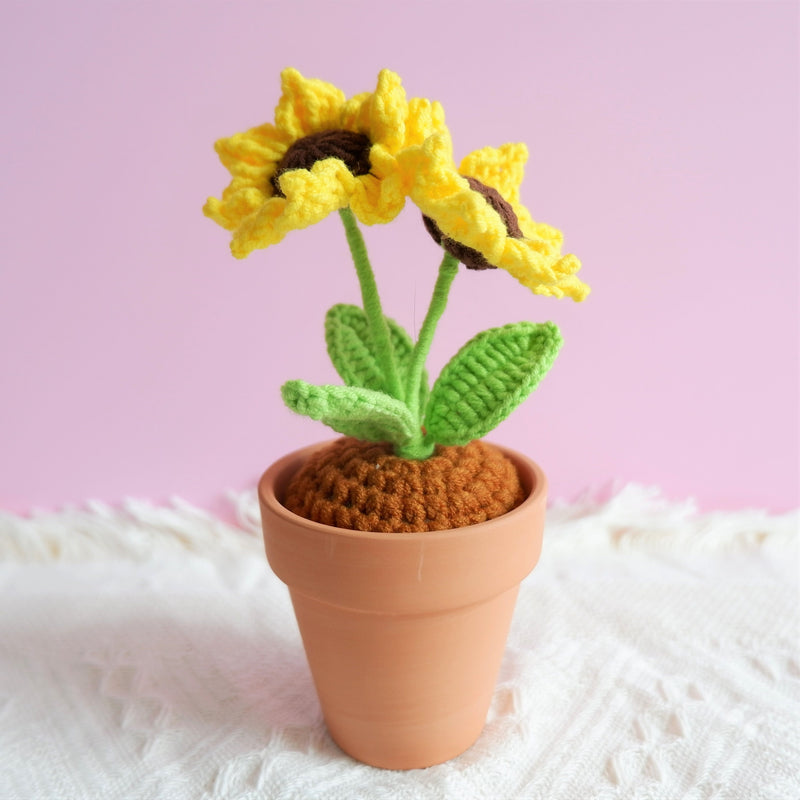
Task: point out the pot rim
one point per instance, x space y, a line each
267 494
401 573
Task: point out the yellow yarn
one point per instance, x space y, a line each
258 218
502 168
310 196
424 117
380 196
307 105
444 195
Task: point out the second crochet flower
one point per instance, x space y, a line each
475 213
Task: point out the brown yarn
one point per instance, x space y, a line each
350 147
363 486
469 257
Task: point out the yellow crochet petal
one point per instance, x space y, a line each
313 194
370 114
446 197
256 147
310 196
254 177
378 201
523 259
388 111
307 105
354 115
271 138
380 196
260 229
467 218
502 168
213 210
382 162
567 265
564 287
239 201
424 119
481 228
532 255
430 166
574 288
541 273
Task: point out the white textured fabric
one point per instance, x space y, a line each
150 653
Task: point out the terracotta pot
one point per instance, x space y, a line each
404 632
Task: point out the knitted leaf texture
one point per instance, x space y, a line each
354 353
352 410
363 486
488 378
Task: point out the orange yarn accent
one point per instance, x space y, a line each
363 486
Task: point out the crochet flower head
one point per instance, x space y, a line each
363 157
474 212
322 153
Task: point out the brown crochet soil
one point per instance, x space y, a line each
363 486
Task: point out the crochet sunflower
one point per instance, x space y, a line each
475 214
322 153
363 157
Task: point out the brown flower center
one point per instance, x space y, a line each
470 258
349 147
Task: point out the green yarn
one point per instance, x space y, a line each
353 352
488 378
352 411
418 448
448 270
372 301
422 444
386 395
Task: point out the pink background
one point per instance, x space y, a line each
138 358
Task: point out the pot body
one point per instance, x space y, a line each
404 632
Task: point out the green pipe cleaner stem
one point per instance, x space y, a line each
372 303
448 270
420 446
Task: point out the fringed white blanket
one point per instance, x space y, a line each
150 653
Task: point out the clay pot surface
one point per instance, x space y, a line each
404 632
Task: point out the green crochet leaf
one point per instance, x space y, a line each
354 354
351 410
488 378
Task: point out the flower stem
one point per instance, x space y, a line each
448 269
372 303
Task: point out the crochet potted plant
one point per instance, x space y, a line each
403 542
